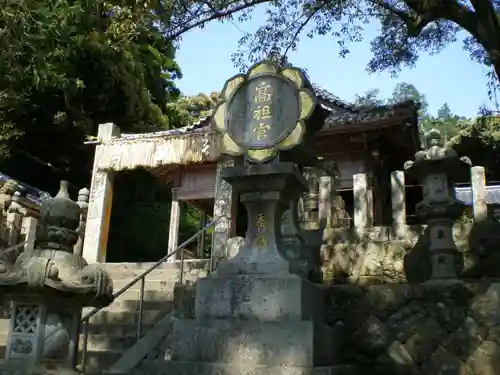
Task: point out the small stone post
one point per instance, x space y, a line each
83 202
438 167
478 183
398 202
28 233
363 203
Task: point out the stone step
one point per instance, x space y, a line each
121 272
132 306
128 317
99 360
198 368
149 285
189 264
112 340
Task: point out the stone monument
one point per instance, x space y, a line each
258 313
438 167
48 288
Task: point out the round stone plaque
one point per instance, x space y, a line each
263 112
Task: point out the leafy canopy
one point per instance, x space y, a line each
69 65
407 27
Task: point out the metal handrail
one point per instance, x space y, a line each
12 248
86 319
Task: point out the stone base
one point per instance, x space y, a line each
28 368
243 342
196 368
258 297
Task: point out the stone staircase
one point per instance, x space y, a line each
113 330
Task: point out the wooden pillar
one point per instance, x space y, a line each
101 197
363 203
398 201
173 229
224 208
478 183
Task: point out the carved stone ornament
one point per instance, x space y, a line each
438 167
263 111
52 266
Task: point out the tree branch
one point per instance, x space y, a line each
315 10
215 16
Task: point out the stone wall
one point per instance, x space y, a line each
422 329
382 255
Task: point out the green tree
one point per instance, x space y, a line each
407 27
369 99
69 65
406 91
444 112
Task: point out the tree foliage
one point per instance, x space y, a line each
189 109
407 27
69 65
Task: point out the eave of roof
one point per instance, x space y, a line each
352 115
374 114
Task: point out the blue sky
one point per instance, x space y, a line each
205 59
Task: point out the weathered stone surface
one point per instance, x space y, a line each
289 343
235 297
461 344
486 308
424 340
442 362
431 329
372 336
486 359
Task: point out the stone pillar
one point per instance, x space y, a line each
173 230
101 197
398 202
223 210
478 183
363 202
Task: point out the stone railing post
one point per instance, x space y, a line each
398 202
325 200
363 203
83 203
478 184
14 220
28 233
101 196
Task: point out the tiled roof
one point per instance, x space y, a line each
362 114
329 98
201 125
351 114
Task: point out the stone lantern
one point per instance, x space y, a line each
47 288
438 168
